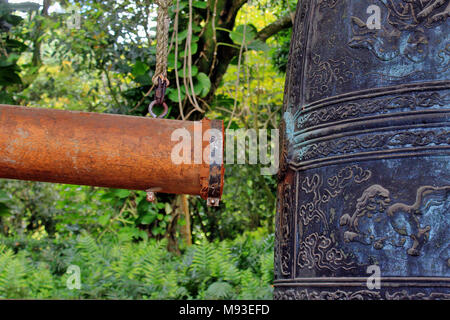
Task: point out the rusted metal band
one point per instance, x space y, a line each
216 167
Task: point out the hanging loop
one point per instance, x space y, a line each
162 115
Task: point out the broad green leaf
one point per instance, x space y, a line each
196 28
181 6
219 291
200 4
194 72
144 79
143 206
4 210
139 69
157 230
258 45
173 94
14 20
251 40
205 83
194 48
103 220
121 193
126 234
9 76
171 62
142 234
160 205
148 218
4 196
182 35
237 35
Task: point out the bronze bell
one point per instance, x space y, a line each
364 186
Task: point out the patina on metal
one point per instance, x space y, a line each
365 174
115 151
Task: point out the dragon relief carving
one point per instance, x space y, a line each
377 223
323 75
312 211
319 251
405 33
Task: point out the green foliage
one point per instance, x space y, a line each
219 291
145 270
41 209
248 203
10 51
20 278
281 53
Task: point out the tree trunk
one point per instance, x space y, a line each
186 230
218 49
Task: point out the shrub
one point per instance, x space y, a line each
238 269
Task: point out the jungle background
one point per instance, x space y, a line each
227 61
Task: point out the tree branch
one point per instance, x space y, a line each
235 7
226 53
275 27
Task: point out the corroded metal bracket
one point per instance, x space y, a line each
212 181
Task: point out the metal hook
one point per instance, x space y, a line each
151 194
159 98
161 89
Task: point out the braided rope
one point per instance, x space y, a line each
162 40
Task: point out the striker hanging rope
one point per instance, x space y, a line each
162 44
162 40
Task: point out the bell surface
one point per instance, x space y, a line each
364 182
